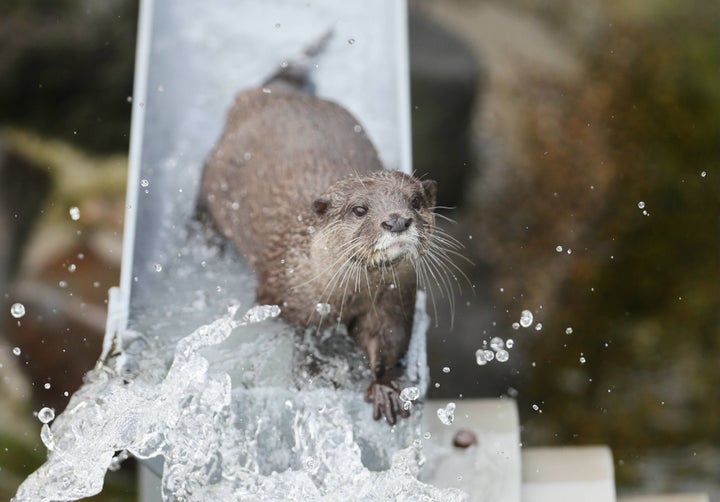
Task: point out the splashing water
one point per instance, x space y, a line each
74 213
17 310
483 356
497 343
526 318
323 308
408 395
447 414
46 415
193 417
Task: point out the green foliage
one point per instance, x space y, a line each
67 69
649 330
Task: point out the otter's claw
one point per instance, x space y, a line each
385 397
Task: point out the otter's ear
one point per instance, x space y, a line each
321 205
430 188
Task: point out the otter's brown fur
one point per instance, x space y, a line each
297 185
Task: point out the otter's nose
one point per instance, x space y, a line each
396 223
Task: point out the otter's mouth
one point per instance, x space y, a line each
393 252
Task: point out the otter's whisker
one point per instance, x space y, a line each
424 281
345 259
346 280
437 268
446 238
446 218
340 271
441 254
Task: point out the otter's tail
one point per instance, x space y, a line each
296 73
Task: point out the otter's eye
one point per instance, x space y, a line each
359 211
416 203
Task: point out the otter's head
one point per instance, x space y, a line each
377 219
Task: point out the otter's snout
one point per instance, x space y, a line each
396 223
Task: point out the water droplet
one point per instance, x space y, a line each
568 331
323 308
265 90
559 249
538 326
427 435
582 360
703 174
351 41
74 213
277 25
144 183
260 313
447 414
247 155
46 415
526 318
63 284
357 128
497 343
516 325
47 386
17 351
446 369
407 395
569 251
641 205
47 437
483 356
502 355
158 267
17 310
509 343
310 463
72 268
535 407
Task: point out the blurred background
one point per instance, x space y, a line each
578 143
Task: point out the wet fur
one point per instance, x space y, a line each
283 183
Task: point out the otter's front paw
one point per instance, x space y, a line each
385 397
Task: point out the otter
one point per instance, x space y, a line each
332 236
